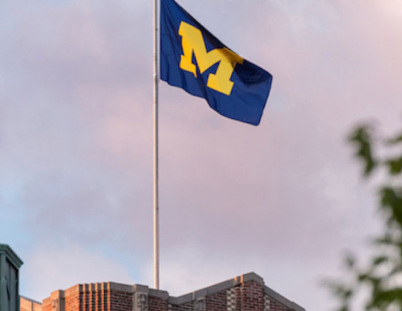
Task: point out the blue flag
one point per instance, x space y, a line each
193 59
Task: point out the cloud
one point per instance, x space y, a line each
54 267
283 200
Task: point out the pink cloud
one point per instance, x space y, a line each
76 132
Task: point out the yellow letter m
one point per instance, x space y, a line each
193 42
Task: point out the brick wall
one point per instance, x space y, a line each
252 296
119 301
158 304
182 307
27 304
245 293
74 298
217 301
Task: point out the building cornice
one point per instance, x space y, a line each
11 255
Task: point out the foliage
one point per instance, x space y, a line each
381 278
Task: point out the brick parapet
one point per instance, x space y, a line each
74 298
217 301
47 304
27 304
244 293
252 296
157 303
279 302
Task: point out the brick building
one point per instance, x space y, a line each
244 293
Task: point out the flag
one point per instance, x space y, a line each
195 60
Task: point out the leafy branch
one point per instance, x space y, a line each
382 277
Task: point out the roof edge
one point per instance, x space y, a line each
248 277
12 256
286 302
30 300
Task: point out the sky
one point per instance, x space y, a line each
285 199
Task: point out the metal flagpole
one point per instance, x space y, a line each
156 147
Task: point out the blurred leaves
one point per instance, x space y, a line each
362 139
379 260
395 166
392 202
395 140
381 276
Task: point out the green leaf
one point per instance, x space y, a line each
361 138
385 298
395 140
379 260
394 166
391 200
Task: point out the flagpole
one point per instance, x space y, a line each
156 146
